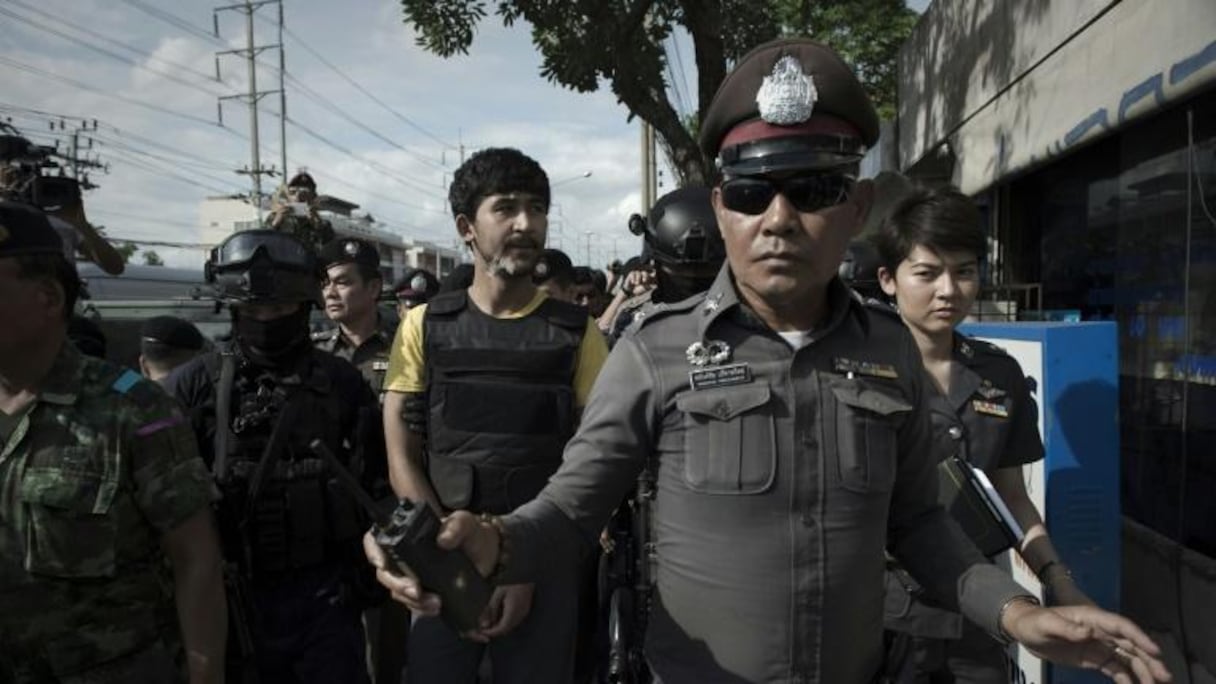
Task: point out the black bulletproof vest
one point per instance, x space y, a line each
501 399
299 516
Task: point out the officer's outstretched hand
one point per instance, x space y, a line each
460 530
1087 637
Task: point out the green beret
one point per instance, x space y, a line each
790 104
24 229
350 250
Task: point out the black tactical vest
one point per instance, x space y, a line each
501 400
283 512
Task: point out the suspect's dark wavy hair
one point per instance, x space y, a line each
941 219
495 171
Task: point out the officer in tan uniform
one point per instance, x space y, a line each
100 481
786 428
351 289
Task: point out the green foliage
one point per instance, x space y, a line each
126 250
151 258
866 33
586 44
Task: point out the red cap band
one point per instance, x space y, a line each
759 129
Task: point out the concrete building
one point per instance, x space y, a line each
221 216
1087 131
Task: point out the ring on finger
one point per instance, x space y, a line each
1124 656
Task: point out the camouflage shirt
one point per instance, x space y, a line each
312 230
97 470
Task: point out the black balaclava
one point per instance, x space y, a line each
275 343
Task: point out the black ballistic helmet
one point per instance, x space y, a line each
682 229
859 268
263 267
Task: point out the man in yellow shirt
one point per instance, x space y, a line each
493 379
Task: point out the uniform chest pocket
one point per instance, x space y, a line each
71 530
867 417
729 443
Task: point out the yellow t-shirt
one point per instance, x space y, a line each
407 363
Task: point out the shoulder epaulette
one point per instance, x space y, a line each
651 311
985 347
137 388
880 306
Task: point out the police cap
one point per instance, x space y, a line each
416 286
789 105
25 229
171 331
553 263
350 250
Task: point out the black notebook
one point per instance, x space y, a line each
967 495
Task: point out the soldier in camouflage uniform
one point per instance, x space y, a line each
296 213
98 474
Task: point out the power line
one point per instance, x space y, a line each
172 166
389 173
170 174
355 84
140 217
174 20
675 45
330 105
100 50
21 66
681 107
111 41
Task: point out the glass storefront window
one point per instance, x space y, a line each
1125 230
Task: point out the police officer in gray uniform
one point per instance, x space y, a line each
786 427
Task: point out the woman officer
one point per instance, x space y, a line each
930 248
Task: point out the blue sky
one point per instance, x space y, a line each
393 157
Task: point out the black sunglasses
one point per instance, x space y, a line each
807 192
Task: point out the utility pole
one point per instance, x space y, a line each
250 53
587 248
649 169
78 166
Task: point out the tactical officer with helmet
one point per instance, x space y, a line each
859 270
287 526
786 428
682 238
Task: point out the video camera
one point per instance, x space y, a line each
24 162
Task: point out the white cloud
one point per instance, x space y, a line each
494 96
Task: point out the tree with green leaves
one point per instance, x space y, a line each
126 250
151 258
623 44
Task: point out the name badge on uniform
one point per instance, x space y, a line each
720 376
874 370
990 408
379 365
